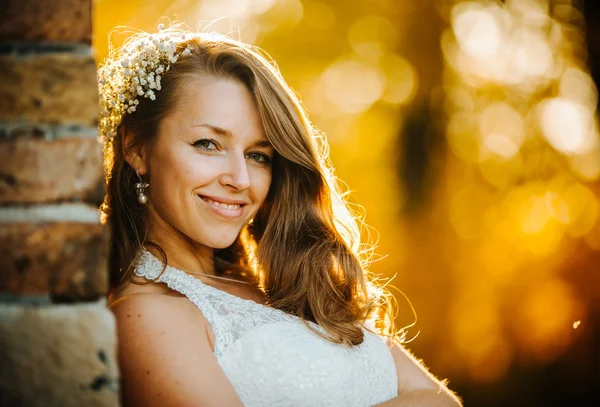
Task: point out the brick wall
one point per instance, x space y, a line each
57 338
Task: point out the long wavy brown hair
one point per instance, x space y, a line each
303 246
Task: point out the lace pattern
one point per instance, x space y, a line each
228 315
272 359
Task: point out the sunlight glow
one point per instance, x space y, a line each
319 16
532 54
567 125
370 36
353 86
402 80
547 314
477 30
502 129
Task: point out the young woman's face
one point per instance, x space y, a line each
210 167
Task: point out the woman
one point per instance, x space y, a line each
234 263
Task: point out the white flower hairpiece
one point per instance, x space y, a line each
134 73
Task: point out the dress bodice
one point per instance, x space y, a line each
272 359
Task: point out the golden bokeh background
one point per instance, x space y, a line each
468 131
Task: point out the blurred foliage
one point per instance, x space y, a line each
485 107
521 186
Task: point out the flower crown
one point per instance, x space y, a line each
134 72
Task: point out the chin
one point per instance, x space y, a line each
220 245
220 242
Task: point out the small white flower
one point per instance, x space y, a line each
161 27
137 73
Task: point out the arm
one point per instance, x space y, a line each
422 398
165 354
416 386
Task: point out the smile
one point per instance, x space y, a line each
227 210
221 204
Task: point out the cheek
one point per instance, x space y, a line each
262 184
181 170
171 172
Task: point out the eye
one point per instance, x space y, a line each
206 144
259 158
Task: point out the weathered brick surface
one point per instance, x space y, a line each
49 88
44 20
37 170
66 260
58 355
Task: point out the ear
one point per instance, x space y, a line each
133 152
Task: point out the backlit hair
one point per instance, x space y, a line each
303 246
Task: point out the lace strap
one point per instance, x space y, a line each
151 269
228 315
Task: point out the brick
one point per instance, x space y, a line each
43 20
39 170
76 212
58 355
49 88
65 260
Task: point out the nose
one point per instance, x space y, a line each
237 175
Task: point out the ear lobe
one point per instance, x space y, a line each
133 152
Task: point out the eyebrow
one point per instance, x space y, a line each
224 132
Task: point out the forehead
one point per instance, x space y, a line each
225 103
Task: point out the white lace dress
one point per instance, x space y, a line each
272 359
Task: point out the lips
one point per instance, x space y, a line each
220 204
224 199
225 207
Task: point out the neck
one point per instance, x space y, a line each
182 253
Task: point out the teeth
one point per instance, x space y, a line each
222 205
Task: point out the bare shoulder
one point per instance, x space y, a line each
165 354
151 310
412 372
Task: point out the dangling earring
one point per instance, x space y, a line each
140 188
